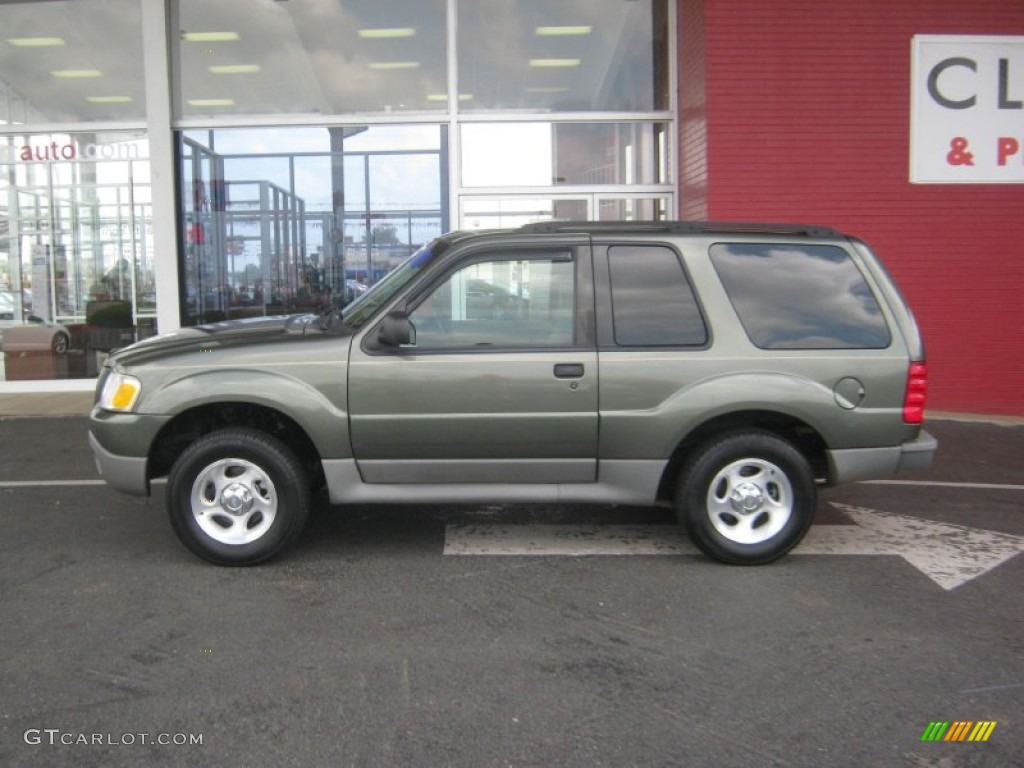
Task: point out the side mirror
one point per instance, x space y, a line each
396 330
35 319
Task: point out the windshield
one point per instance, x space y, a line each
363 308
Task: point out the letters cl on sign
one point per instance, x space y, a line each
967 109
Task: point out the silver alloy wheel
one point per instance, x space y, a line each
234 501
749 501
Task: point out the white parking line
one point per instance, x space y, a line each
61 483
950 555
941 484
45 483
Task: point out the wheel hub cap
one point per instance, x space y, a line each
236 499
746 498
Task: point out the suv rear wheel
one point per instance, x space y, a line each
746 497
237 496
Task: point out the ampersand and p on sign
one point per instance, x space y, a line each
958 154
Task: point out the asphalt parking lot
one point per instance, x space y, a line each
513 636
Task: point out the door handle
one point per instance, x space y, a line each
569 370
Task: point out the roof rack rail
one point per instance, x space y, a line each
680 227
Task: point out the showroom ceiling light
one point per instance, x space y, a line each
234 69
563 31
35 42
211 102
108 99
387 34
444 97
394 65
209 37
554 63
76 73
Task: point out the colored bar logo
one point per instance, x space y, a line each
958 730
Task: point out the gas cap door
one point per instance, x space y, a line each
849 392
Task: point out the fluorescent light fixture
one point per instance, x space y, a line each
108 99
209 37
211 102
563 31
76 73
387 34
444 97
554 63
234 69
35 42
395 65
548 89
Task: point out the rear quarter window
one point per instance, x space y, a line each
800 296
653 304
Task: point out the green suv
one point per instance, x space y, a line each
725 369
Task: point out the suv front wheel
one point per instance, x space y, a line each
237 496
746 497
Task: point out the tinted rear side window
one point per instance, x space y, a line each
800 297
652 302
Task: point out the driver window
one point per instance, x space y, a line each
500 303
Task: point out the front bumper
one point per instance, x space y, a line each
125 473
853 464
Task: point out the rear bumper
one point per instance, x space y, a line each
852 464
125 473
918 454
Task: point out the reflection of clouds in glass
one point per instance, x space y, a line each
311 56
261 141
405 182
810 297
101 35
616 70
341 60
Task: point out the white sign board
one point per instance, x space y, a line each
967 109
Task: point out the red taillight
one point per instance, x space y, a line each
917 393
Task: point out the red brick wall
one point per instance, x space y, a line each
693 135
808 117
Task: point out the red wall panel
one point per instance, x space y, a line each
693 165
807 108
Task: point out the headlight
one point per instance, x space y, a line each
120 392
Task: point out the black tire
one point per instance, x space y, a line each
237 496
60 343
746 498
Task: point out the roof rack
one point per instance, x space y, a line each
680 227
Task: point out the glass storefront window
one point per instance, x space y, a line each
563 154
599 55
71 61
308 224
515 210
76 250
237 57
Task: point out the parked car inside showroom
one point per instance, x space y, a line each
33 334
